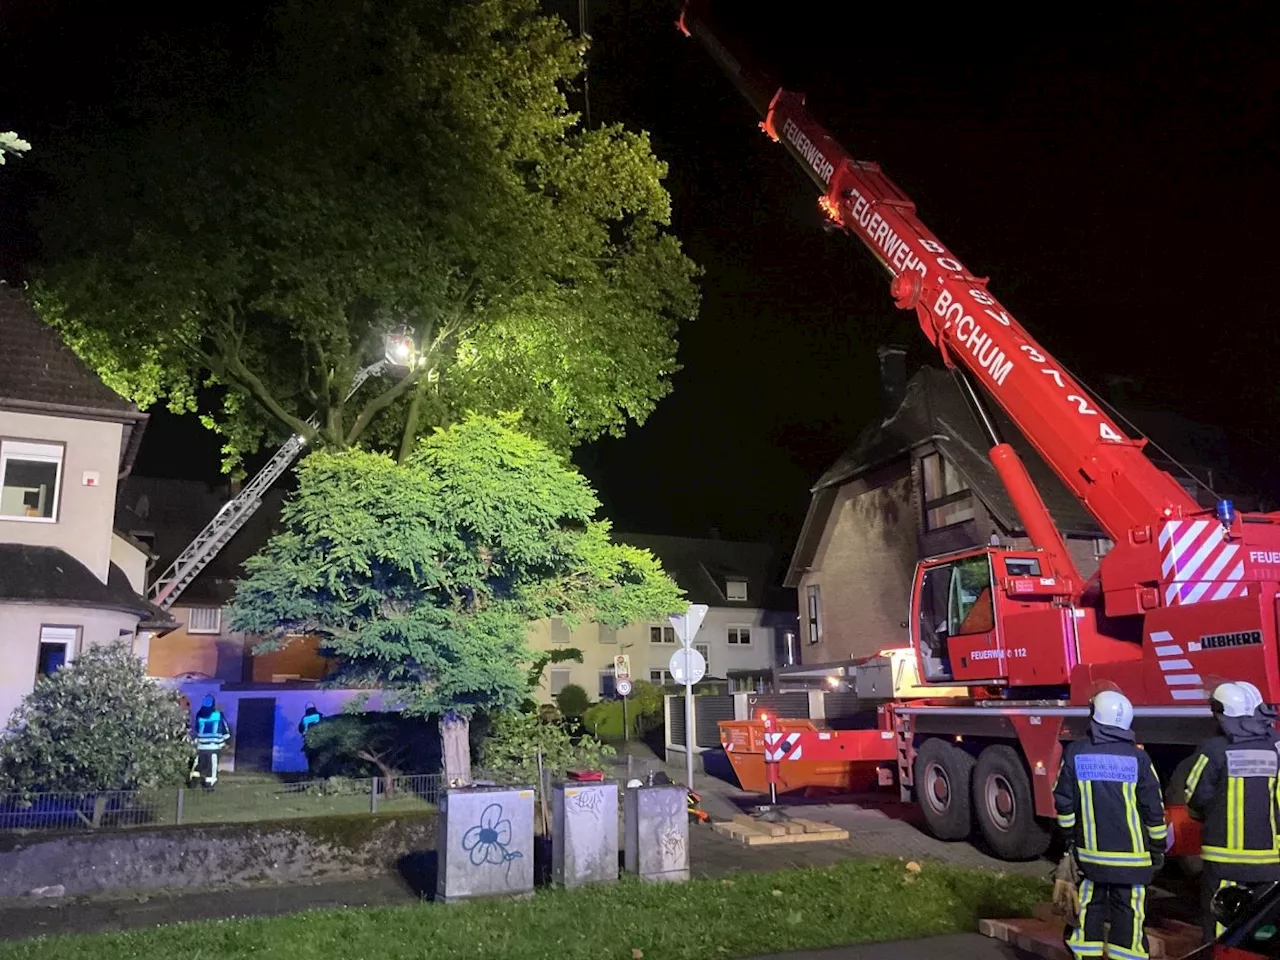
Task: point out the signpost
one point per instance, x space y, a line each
622 686
684 665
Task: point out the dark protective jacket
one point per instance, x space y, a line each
309 720
1108 800
1232 789
212 731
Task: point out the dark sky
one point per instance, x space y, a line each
1115 174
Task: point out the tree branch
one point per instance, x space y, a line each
410 432
381 402
232 368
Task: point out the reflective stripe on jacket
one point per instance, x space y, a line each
1232 788
212 731
1108 800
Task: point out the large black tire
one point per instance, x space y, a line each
1005 807
1175 794
943 778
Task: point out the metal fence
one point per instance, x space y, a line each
232 801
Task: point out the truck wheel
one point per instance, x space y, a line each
1175 794
944 775
1005 807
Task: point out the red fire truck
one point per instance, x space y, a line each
1186 597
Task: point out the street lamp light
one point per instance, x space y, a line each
399 348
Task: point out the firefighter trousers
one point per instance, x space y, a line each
1213 878
207 764
1112 918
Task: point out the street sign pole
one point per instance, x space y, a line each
686 626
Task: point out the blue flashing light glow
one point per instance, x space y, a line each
1226 512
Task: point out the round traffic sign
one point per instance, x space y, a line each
687 666
624 687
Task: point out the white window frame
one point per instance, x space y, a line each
666 635
560 632
607 634
561 674
34 452
740 630
735 589
204 629
663 676
705 650
610 674
813 612
59 635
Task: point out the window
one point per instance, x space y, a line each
739 636
559 631
947 500
608 684
559 680
735 590
56 646
955 600
1101 547
662 634
204 620
608 634
30 479
815 620
705 650
659 676
1022 567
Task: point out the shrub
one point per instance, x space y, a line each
372 744
510 752
644 713
573 701
99 723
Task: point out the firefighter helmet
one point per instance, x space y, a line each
1230 699
1113 709
1252 692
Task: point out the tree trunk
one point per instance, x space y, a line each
455 744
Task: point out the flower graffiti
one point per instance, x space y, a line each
488 841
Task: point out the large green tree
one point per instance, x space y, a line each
405 162
423 577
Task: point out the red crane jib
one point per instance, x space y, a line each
1170 555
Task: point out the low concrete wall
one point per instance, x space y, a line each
216 855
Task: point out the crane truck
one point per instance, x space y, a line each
1187 596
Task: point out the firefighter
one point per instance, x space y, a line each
310 718
212 734
1264 715
1232 790
1108 802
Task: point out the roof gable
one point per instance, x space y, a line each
40 370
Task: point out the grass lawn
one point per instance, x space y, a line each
742 916
239 801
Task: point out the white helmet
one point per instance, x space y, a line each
1252 692
1232 700
634 784
1113 709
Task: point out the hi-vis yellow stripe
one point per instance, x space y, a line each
1086 813
1131 815
1193 778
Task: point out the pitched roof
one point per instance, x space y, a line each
39 368
701 567
171 512
934 411
51 576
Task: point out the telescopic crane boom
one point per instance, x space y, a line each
1106 470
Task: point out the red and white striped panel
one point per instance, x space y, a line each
1197 564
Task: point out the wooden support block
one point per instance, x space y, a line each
815 826
793 827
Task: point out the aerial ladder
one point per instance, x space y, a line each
235 513
1185 598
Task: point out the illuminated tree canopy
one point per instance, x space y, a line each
406 162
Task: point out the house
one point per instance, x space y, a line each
919 484
744 636
167 515
68 579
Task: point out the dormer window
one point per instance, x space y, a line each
735 590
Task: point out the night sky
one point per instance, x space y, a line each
1115 174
